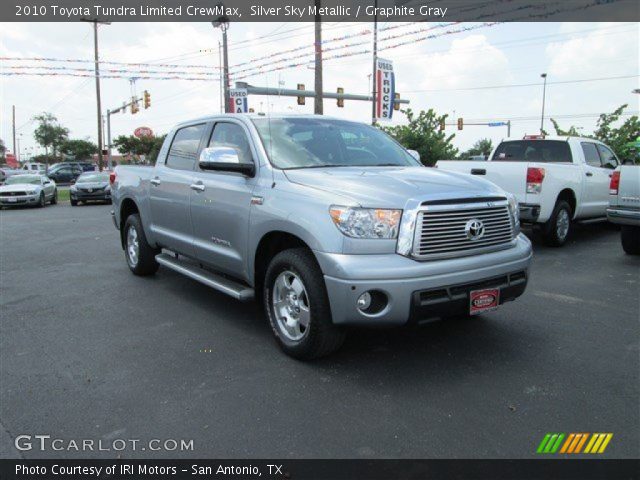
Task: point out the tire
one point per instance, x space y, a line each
74 203
558 228
319 337
630 237
54 199
42 202
139 254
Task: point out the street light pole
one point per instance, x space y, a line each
222 22
375 59
317 101
544 92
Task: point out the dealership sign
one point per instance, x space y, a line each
143 132
386 87
238 100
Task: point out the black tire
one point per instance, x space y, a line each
630 237
321 336
74 203
145 262
42 202
54 199
552 233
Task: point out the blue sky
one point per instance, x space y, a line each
436 73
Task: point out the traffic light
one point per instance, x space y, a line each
340 101
460 124
147 99
396 104
442 124
301 99
134 106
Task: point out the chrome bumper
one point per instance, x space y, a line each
624 216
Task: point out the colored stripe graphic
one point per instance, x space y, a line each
598 443
550 443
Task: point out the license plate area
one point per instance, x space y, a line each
485 300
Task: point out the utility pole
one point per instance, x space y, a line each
508 128
544 91
222 22
13 112
375 58
317 101
220 75
109 163
95 22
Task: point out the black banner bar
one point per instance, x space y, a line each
330 10
568 469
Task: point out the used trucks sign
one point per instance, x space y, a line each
385 86
238 100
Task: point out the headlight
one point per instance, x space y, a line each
366 222
73 188
515 211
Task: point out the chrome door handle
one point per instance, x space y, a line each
155 181
197 186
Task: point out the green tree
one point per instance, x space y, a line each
423 134
155 149
572 132
622 138
3 149
78 149
481 147
49 133
137 147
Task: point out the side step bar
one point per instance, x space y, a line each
220 283
592 220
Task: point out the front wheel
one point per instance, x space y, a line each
74 203
297 306
141 257
54 199
42 202
630 237
556 231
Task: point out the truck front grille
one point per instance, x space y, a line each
462 230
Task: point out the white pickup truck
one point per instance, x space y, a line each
556 180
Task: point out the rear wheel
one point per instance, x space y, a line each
141 257
297 306
630 237
557 229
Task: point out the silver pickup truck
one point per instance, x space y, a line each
330 223
624 206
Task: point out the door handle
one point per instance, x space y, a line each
589 174
155 181
478 171
197 186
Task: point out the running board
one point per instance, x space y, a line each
592 220
220 283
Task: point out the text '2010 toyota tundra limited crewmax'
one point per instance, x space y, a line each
330 223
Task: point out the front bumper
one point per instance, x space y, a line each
20 200
87 197
407 283
624 216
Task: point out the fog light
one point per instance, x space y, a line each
364 301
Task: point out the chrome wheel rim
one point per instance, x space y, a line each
290 304
133 246
562 225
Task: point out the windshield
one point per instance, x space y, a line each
16 179
533 151
318 142
93 177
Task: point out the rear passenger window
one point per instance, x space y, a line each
608 158
591 154
184 148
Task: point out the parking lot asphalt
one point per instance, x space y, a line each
89 351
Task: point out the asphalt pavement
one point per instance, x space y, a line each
90 351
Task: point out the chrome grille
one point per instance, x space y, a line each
13 194
448 230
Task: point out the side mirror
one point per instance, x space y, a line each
224 159
414 154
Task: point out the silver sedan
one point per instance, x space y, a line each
29 189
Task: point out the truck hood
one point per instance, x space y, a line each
392 187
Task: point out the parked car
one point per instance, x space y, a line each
91 187
624 206
556 180
330 222
64 173
84 166
34 167
6 172
28 189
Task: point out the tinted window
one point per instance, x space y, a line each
608 158
591 154
317 142
533 151
232 135
184 148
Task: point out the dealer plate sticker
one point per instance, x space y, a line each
483 300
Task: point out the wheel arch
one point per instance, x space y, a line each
569 196
127 207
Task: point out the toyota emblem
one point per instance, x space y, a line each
474 229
